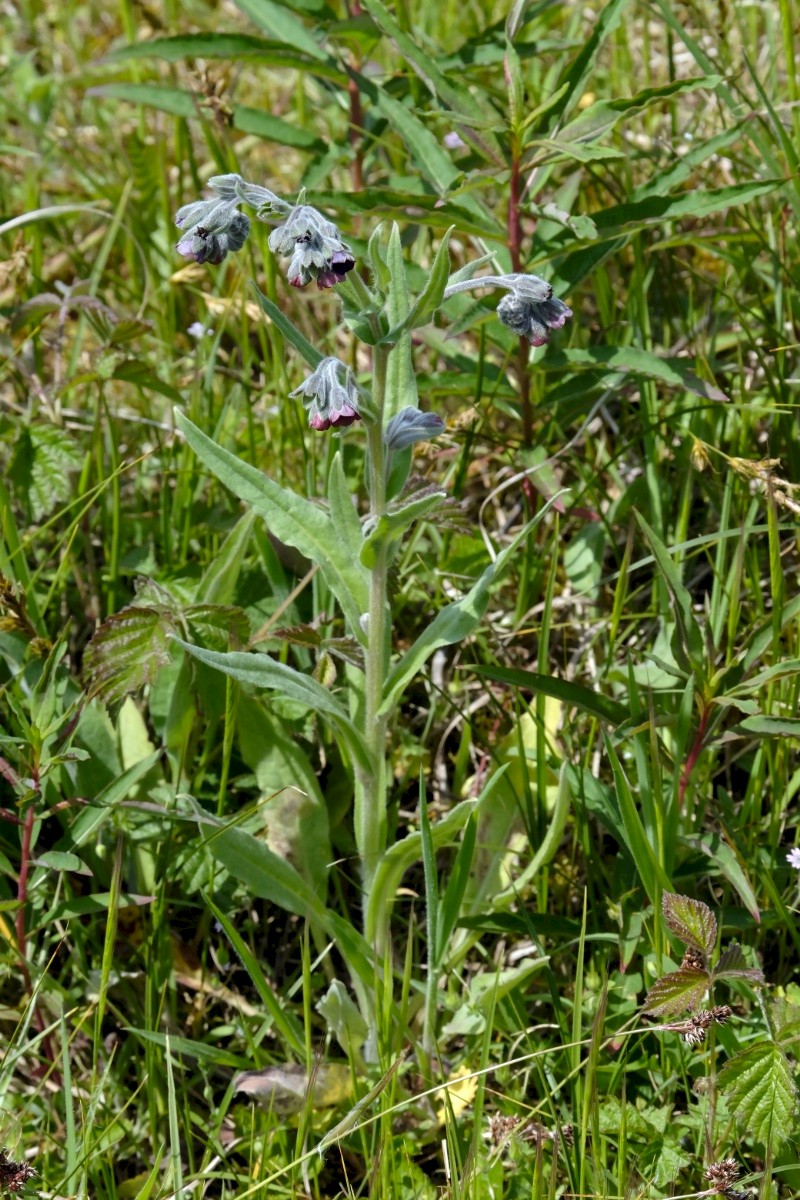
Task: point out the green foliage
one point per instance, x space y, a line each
759 1087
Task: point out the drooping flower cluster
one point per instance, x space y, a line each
529 309
215 226
410 426
330 395
315 246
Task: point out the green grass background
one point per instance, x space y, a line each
651 742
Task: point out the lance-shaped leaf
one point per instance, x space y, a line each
690 920
687 644
457 620
390 527
291 518
290 332
676 992
759 1088
430 298
264 672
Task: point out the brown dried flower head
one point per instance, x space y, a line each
13 1175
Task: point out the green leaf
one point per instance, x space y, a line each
126 652
676 992
264 873
291 518
623 218
602 116
290 332
274 129
651 871
344 513
281 24
759 1088
629 360
430 298
150 95
454 94
687 644
343 1018
401 378
765 726
390 527
227 45
573 694
690 920
733 965
264 672
576 73
457 620
43 460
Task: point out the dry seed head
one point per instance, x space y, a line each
723 1175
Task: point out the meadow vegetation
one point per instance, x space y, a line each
403 815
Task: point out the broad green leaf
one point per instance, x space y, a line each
629 360
676 992
687 644
392 525
150 95
293 808
561 689
456 621
264 672
282 25
759 1087
421 208
264 873
430 298
127 651
766 726
690 920
343 1018
290 332
344 514
291 518
42 465
275 129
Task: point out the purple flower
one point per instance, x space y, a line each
532 319
314 247
330 396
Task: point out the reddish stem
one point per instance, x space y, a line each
694 754
356 135
514 229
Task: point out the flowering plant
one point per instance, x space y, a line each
353 554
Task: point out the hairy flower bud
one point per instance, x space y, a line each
330 396
215 226
529 309
410 426
315 246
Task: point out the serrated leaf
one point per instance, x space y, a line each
733 965
219 626
674 993
759 1088
44 457
690 920
126 652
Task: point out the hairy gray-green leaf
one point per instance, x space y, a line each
291 518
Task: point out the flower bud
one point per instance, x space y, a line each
532 319
330 396
410 426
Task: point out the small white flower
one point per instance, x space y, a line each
197 330
793 858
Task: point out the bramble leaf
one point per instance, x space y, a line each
676 992
690 920
733 965
759 1088
127 651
